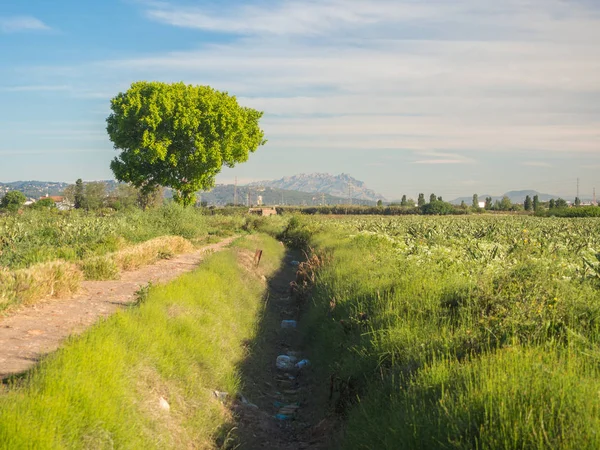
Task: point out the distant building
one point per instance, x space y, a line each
481 204
263 211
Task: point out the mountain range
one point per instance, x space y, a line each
342 186
303 189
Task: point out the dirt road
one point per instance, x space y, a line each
33 331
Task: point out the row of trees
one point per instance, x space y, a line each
94 195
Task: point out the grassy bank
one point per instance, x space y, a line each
457 332
184 340
48 253
40 236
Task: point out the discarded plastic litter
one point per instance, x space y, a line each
303 363
295 263
222 396
284 417
285 362
288 324
245 402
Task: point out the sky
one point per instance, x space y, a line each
445 96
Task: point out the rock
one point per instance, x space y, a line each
164 405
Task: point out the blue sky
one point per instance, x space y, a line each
449 96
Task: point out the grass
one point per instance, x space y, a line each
38 247
184 340
456 333
40 236
25 286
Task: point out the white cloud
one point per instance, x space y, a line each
16 24
456 76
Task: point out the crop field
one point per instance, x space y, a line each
457 332
48 253
40 236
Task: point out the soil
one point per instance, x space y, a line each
30 332
266 389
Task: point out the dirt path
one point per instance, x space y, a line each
278 410
33 331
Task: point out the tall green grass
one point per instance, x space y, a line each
38 236
456 333
184 340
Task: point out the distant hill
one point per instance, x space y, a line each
34 189
514 196
224 194
341 186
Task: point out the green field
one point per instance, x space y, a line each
460 332
38 236
183 341
453 332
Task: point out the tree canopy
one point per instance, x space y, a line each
13 200
179 136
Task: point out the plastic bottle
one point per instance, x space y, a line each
303 363
288 324
285 362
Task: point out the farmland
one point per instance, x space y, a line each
453 332
48 252
462 332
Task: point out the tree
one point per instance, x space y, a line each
536 202
44 203
78 194
437 207
152 199
463 205
410 203
13 200
403 201
488 203
432 198
577 201
95 195
551 204
528 204
475 203
379 203
421 200
560 203
505 204
180 136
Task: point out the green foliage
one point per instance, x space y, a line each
475 202
100 268
186 339
458 332
528 205
582 211
44 203
421 200
536 202
13 200
79 194
94 195
488 203
438 207
38 236
179 135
